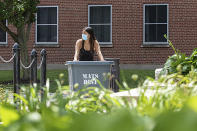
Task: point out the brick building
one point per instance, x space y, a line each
131 30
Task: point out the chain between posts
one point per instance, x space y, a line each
27 67
17 64
7 61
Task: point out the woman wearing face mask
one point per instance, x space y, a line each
85 47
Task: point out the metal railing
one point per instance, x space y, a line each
17 64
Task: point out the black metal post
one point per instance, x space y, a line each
33 74
43 71
43 68
16 67
115 71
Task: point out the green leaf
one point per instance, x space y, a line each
8 115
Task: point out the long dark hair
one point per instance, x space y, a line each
92 37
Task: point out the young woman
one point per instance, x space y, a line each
85 47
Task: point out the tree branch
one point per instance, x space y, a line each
6 29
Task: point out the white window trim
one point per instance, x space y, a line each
50 43
104 43
6 42
155 43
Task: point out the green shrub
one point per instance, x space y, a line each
172 107
179 62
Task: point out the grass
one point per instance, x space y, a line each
53 75
7 76
125 76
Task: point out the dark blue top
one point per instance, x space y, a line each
85 55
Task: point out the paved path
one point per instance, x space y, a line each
136 92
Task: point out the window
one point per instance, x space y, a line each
100 19
3 35
47 25
155 23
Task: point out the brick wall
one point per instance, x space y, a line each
127 30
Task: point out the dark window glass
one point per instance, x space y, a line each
46 30
100 15
100 21
102 32
155 32
156 14
47 15
2 34
47 33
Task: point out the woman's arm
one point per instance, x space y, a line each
98 51
77 49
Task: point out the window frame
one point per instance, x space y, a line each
89 6
6 42
49 43
155 43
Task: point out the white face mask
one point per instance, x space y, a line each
84 37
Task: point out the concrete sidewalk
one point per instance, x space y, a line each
6 66
9 66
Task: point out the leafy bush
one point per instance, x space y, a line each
179 61
172 107
170 93
93 100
